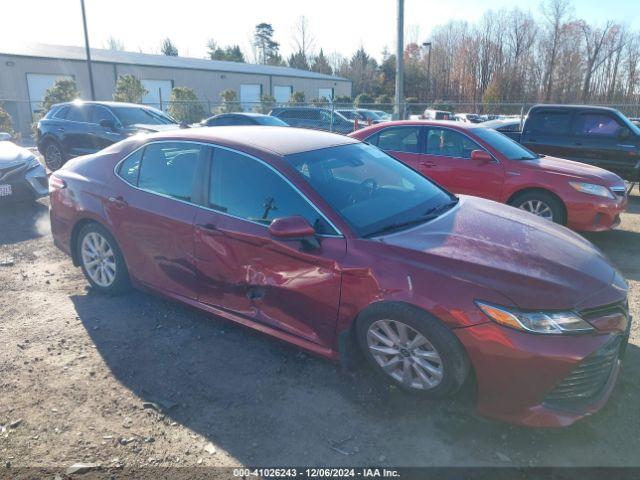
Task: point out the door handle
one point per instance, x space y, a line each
60 129
210 227
427 164
119 201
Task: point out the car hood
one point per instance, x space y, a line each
533 262
141 127
575 170
11 154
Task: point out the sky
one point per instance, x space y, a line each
337 25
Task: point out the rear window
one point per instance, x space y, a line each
549 122
61 113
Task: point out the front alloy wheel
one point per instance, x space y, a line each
405 354
539 208
53 156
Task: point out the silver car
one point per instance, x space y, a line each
22 176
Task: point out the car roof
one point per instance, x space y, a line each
104 104
269 139
242 114
573 107
434 123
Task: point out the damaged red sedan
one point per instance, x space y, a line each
330 244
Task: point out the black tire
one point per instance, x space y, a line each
554 203
454 361
121 281
53 154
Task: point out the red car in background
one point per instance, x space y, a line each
330 244
473 160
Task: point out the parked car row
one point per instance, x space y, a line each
470 159
333 245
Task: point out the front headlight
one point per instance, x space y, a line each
33 162
537 322
592 189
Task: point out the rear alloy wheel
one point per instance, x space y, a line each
53 156
411 349
542 204
101 260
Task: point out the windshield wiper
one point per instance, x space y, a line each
430 214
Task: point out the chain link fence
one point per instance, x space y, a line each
323 115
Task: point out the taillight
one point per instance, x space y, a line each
56 183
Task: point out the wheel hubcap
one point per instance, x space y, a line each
53 157
98 259
539 208
405 354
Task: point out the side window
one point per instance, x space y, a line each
550 122
61 113
130 168
401 139
77 113
596 124
248 189
97 114
449 143
169 168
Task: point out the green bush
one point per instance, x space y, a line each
6 125
129 89
342 100
267 103
229 101
184 105
297 97
363 100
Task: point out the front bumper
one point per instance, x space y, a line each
595 216
539 380
27 185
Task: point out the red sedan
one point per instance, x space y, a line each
330 244
470 159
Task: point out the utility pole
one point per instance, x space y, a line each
399 106
88 50
428 45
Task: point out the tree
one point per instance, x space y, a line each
129 89
298 60
185 106
268 50
320 64
63 90
114 44
296 97
229 101
556 13
6 125
342 100
303 41
168 48
231 53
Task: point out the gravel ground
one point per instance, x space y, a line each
137 380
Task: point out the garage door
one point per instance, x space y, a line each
325 93
282 93
250 96
38 84
158 92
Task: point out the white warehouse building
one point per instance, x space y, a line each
27 71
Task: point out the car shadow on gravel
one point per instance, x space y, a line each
23 221
266 403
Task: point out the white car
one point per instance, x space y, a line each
22 176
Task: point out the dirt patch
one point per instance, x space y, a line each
137 380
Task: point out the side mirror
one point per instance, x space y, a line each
184 124
295 228
4 136
481 156
108 123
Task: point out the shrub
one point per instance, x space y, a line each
129 89
296 97
6 125
363 100
185 106
267 102
229 101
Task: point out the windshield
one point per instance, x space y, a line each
139 115
509 148
373 192
274 121
350 114
368 115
